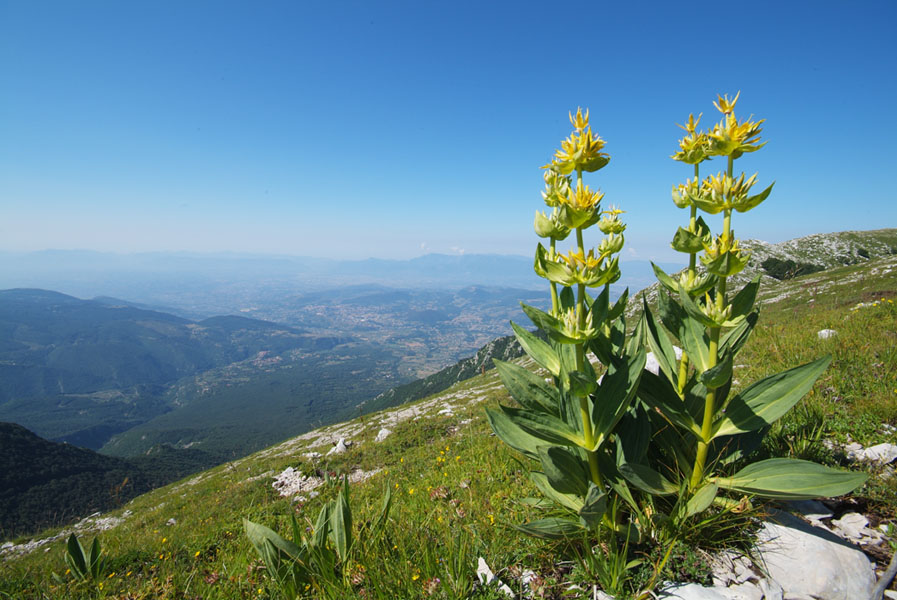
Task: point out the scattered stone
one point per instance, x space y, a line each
340 447
312 455
881 454
811 562
292 482
382 435
690 591
446 411
171 522
486 576
824 334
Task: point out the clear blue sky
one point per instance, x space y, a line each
393 129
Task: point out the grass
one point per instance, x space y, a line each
457 487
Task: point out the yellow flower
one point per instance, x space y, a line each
161 556
579 122
724 105
128 574
583 198
110 575
411 491
729 137
196 555
491 520
415 577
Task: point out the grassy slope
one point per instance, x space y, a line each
205 555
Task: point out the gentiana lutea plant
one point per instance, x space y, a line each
606 447
712 323
566 422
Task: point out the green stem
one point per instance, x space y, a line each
697 474
587 432
692 225
683 373
554 285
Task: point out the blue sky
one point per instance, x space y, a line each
392 129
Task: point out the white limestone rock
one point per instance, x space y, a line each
340 447
881 454
824 334
382 435
486 576
810 562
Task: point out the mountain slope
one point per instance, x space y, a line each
82 370
46 483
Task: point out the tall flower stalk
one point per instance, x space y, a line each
567 426
713 325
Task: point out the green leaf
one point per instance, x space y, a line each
259 534
660 345
549 428
791 479
322 526
633 435
553 528
580 384
719 375
658 393
594 507
619 306
75 556
571 501
537 349
743 302
685 241
753 201
702 500
341 523
547 323
694 311
770 398
665 280
527 388
565 471
671 314
647 479
614 395
696 343
513 435
733 340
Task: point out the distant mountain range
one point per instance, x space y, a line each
197 286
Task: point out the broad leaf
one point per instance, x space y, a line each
770 398
594 507
665 280
572 501
733 340
614 395
513 435
547 323
696 342
341 523
702 500
647 479
658 393
564 470
549 428
694 311
537 349
718 376
259 534
552 529
660 345
791 479
527 388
